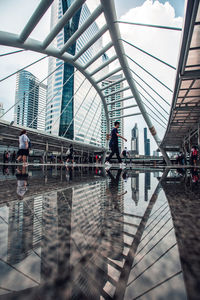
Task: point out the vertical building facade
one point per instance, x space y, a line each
135 140
30 101
115 108
67 90
146 143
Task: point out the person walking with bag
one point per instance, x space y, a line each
114 145
23 147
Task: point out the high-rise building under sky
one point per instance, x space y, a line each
67 87
115 107
146 143
30 101
135 139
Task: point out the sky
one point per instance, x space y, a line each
164 44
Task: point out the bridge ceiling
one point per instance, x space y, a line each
185 112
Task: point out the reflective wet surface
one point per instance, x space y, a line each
88 233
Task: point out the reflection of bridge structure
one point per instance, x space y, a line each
186 93
91 248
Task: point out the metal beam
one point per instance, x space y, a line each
109 74
124 116
113 83
120 100
62 22
149 73
122 108
117 92
91 42
11 39
191 74
150 25
35 18
147 53
100 53
96 13
188 108
111 17
109 61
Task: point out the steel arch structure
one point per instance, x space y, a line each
106 7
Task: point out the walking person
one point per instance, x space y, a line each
194 155
13 157
8 156
23 147
125 154
4 157
114 145
69 154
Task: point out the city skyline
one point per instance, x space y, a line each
140 6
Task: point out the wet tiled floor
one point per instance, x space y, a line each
88 233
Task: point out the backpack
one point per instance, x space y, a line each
124 152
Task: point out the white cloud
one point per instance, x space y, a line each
159 42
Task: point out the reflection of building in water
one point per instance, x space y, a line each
24 228
87 226
20 231
135 140
135 188
147 185
113 218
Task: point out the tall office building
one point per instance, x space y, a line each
146 143
135 140
30 100
64 116
1 109
114 107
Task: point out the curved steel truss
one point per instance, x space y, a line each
106 7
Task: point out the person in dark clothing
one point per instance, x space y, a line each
194 155
14 157
114 143
69 154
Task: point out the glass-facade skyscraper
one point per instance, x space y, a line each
30 101
64 116
146 143
135 139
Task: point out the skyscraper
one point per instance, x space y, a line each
146 143
64 116
114 107
30 101
135 139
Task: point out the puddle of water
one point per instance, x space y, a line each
87 233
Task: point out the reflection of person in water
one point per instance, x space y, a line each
113 188
68 174
195 175
22 178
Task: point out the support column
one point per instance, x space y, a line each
46 152
61 156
